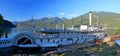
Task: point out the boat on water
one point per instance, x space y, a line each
51 38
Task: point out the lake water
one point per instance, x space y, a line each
13 31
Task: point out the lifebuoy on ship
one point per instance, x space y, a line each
24 38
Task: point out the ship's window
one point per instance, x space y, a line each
61 40
81 37
53 41
3 42
69 39
83 33
8 42
41 40
48 40
0 43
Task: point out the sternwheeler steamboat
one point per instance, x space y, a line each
51 38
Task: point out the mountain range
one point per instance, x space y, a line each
42 22
108 19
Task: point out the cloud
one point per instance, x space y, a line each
61 13
71 15
49 14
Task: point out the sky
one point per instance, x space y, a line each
21 10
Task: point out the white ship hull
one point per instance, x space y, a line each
48 40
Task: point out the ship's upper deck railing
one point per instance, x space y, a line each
69 30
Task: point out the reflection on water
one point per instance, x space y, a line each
3 30
13 31
1 33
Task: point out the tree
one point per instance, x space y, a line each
1 19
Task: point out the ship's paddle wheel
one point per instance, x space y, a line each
24 41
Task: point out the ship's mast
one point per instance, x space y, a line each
90 18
